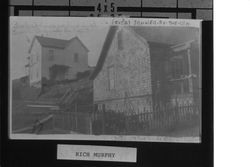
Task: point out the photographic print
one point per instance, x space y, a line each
118 79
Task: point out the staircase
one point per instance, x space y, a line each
69 96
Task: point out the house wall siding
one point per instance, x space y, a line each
196 70
82 64
132 74
66 57
59 58
160 73
35 64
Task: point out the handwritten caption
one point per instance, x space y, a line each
149 22
80 25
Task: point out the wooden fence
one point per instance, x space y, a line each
84 120
111 122
74 122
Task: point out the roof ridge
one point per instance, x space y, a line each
52 42
51 38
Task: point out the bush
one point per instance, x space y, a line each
84 74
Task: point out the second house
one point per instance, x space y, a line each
52 59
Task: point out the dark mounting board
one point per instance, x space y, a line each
43 153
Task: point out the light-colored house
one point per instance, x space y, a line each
56 59
145 69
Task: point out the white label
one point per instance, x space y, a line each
96 153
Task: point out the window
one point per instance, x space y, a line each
51 55
76 57
111 77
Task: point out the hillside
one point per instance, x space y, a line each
30 104
22 91
62 93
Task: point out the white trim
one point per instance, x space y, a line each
182 46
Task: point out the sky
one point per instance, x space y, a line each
23 30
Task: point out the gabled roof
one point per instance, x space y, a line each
54 42
164 35
76 38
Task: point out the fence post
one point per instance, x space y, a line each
53 122
103 119
76 117
90 124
